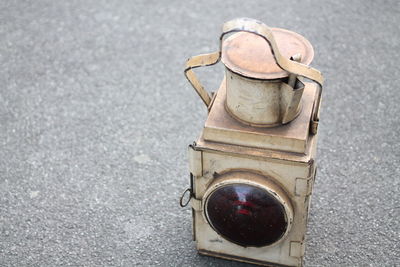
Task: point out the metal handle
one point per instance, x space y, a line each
262 30
199 61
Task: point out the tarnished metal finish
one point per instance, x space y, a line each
253 102
262 87
288 174
262 154
222 127
291 101
292 77
263 32
249 55
262 103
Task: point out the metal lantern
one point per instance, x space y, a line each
253 168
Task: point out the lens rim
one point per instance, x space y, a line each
247 177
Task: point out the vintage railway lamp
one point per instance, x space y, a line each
252 169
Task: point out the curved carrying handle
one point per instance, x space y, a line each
262 30
199 61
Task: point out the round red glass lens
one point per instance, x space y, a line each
246 215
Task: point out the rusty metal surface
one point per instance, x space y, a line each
249 55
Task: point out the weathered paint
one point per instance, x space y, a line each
280 160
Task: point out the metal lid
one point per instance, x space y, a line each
250 55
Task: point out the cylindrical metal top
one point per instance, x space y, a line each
249 55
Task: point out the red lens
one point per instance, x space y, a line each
246 215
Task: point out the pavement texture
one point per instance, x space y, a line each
96 116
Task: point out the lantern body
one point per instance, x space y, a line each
289 172
253 167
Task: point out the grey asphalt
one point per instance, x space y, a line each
96 116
